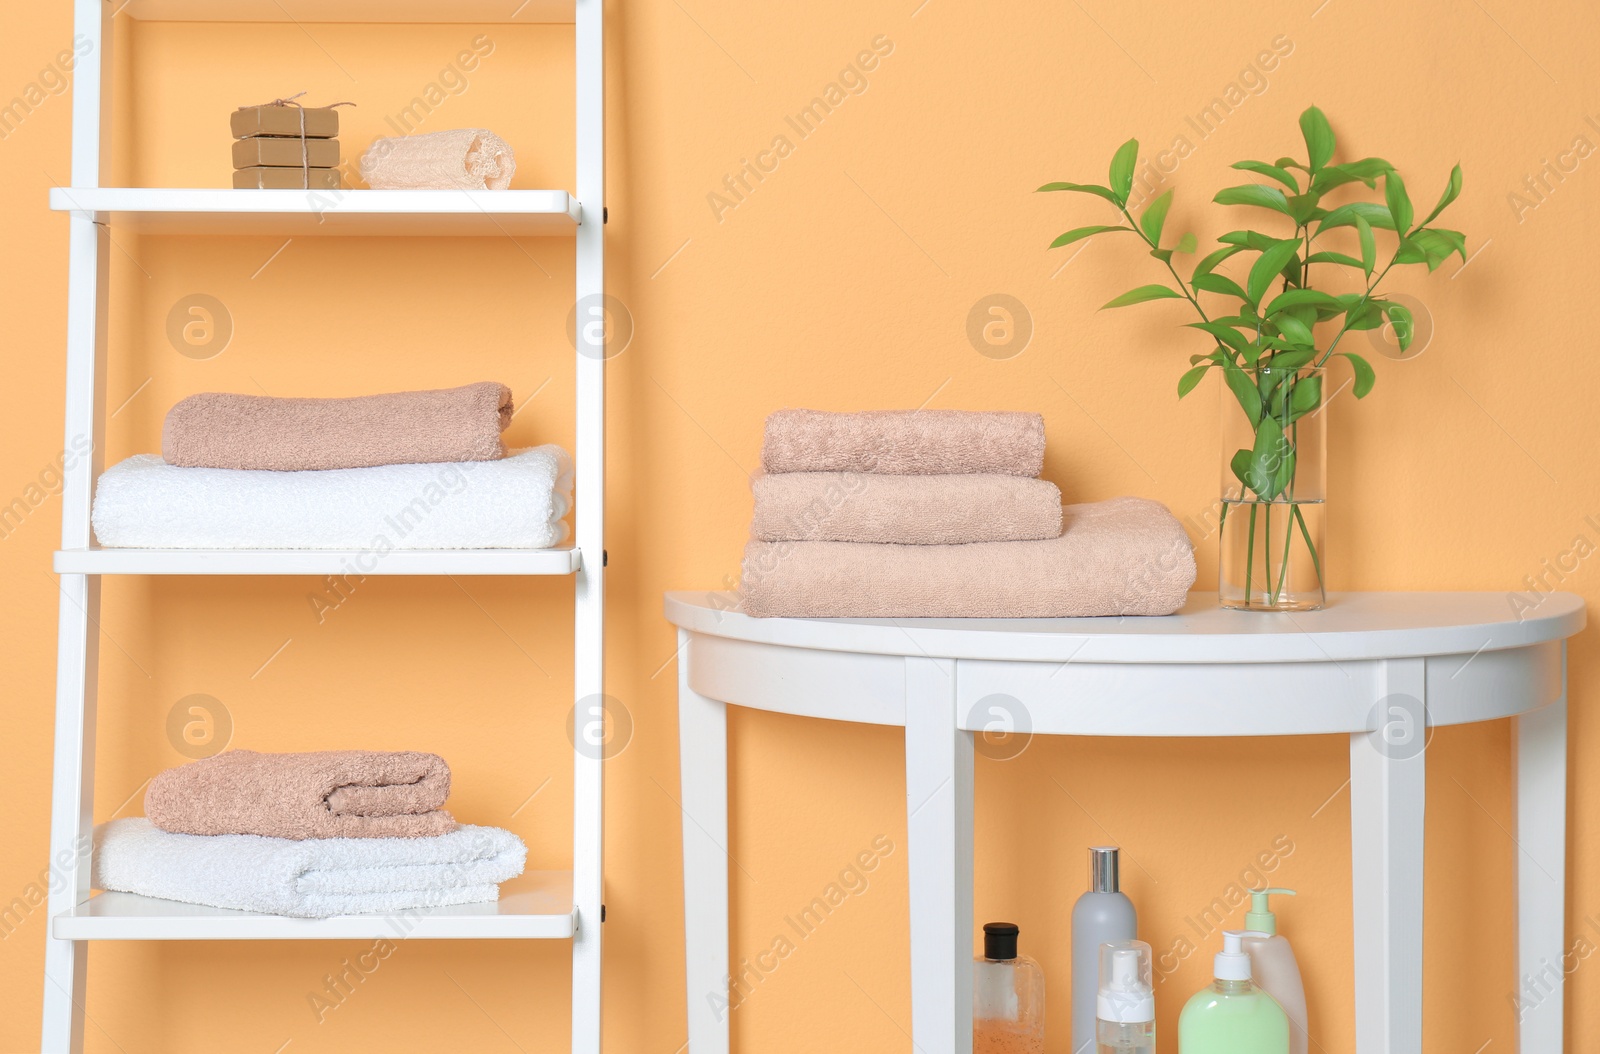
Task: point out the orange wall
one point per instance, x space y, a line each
842 281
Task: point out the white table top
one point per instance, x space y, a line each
1353 626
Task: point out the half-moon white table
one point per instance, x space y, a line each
1380 667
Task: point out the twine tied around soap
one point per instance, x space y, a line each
305 149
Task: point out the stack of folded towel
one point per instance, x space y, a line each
938 513
408 470
338 832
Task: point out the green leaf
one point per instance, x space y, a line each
1143 293
1227 334
1216 283
1266 458
1365 378
1319 137
1364 315
1164 255
1122 169
1249 239
1266 268
1296 297
1191 378
1155 217
1451 192
1291 360
1289 162
1209 263
1399 202
1367 171
1405 326
1276 172
1303 208
1079 233
1434 245
1292 328
1306 396
1369 245
1082 188
1254 194
1377 216
1333 258
1240 463
1243 388
1188 243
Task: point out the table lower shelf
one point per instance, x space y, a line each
560 561
535 905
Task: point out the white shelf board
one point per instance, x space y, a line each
560 561
408 213
536 904
497 11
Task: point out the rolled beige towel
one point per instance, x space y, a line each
904 442
457 159
1126 556
913 510
223 430
325 794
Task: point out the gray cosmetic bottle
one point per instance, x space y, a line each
1101 915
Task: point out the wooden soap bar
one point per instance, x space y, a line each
285 179
322 122
273 151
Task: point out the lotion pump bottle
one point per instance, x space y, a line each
1101 916
1007 996
1273 965
1125 1011
1232 1015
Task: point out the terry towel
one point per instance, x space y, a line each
314 878
904 442
514 503
1126 556
916 510
457 159
224 430
323 794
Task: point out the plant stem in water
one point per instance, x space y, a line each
1288 536
1266 556
1250 556
1315 562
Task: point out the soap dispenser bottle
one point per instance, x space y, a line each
1125 1010
1232 1015
1007 996
1273 965
1101 916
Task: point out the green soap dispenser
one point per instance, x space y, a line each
1232 1015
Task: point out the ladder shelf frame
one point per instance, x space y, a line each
81 563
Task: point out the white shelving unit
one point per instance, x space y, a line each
539 905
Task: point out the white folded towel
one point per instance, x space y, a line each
517 502
306 878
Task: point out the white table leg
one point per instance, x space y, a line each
939 806
1541 835
1387 796
703 782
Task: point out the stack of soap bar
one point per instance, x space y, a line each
273 150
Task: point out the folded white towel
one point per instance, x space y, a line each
306 878
514 503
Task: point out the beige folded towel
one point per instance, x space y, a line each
326 794
916 510
904 442
457 159
1126 556
222 430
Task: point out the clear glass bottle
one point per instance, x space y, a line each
1125 1010
1007 996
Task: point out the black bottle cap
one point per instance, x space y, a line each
1000 940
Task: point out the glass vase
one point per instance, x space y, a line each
1274 480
